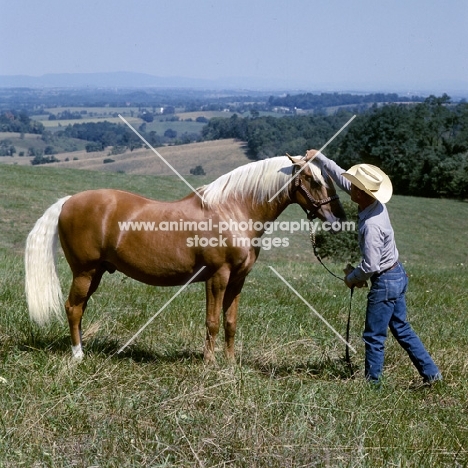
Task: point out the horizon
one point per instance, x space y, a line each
122 80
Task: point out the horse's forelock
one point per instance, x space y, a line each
317 173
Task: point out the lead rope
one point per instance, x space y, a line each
314 247
348 324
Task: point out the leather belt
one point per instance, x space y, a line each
376 275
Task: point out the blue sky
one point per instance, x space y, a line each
309 43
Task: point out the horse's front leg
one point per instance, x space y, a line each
215 289
230 306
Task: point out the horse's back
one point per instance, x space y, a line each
89 221
104 198
111 229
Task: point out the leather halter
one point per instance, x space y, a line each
316 204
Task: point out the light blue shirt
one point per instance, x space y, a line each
375 232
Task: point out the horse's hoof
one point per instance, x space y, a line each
77 353
209 359
230 359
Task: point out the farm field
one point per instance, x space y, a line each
216 157
23 143
186 124
289 400
181 121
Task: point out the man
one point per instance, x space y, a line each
371 188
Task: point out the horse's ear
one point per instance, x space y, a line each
300 162
295 159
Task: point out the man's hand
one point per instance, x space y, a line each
310 154
347 270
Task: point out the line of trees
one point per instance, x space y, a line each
102 134
423 147
19 122
266 137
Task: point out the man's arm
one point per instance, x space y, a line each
333 170
371 256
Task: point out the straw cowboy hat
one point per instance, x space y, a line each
371 180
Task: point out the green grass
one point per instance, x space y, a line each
160 125
288 401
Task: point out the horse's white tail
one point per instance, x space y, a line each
43 292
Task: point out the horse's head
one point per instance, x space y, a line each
313 189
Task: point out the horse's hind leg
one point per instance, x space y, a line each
230 306
83 286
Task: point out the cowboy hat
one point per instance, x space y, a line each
371 180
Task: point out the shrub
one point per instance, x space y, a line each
198 170
95 146
169 133
39 159
343 246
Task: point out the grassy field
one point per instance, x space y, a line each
289 400
23 143
216 157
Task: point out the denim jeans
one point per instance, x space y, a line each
386 308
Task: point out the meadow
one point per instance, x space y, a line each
289 401
186 122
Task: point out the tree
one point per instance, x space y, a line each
6 148
169 110
147 116
93 147
197 170
169 133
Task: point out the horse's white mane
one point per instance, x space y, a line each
259 180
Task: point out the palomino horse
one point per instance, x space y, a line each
89 225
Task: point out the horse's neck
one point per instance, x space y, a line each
266 211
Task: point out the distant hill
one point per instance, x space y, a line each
456 88
81 80
135 80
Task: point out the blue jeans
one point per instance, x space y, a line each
386 308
